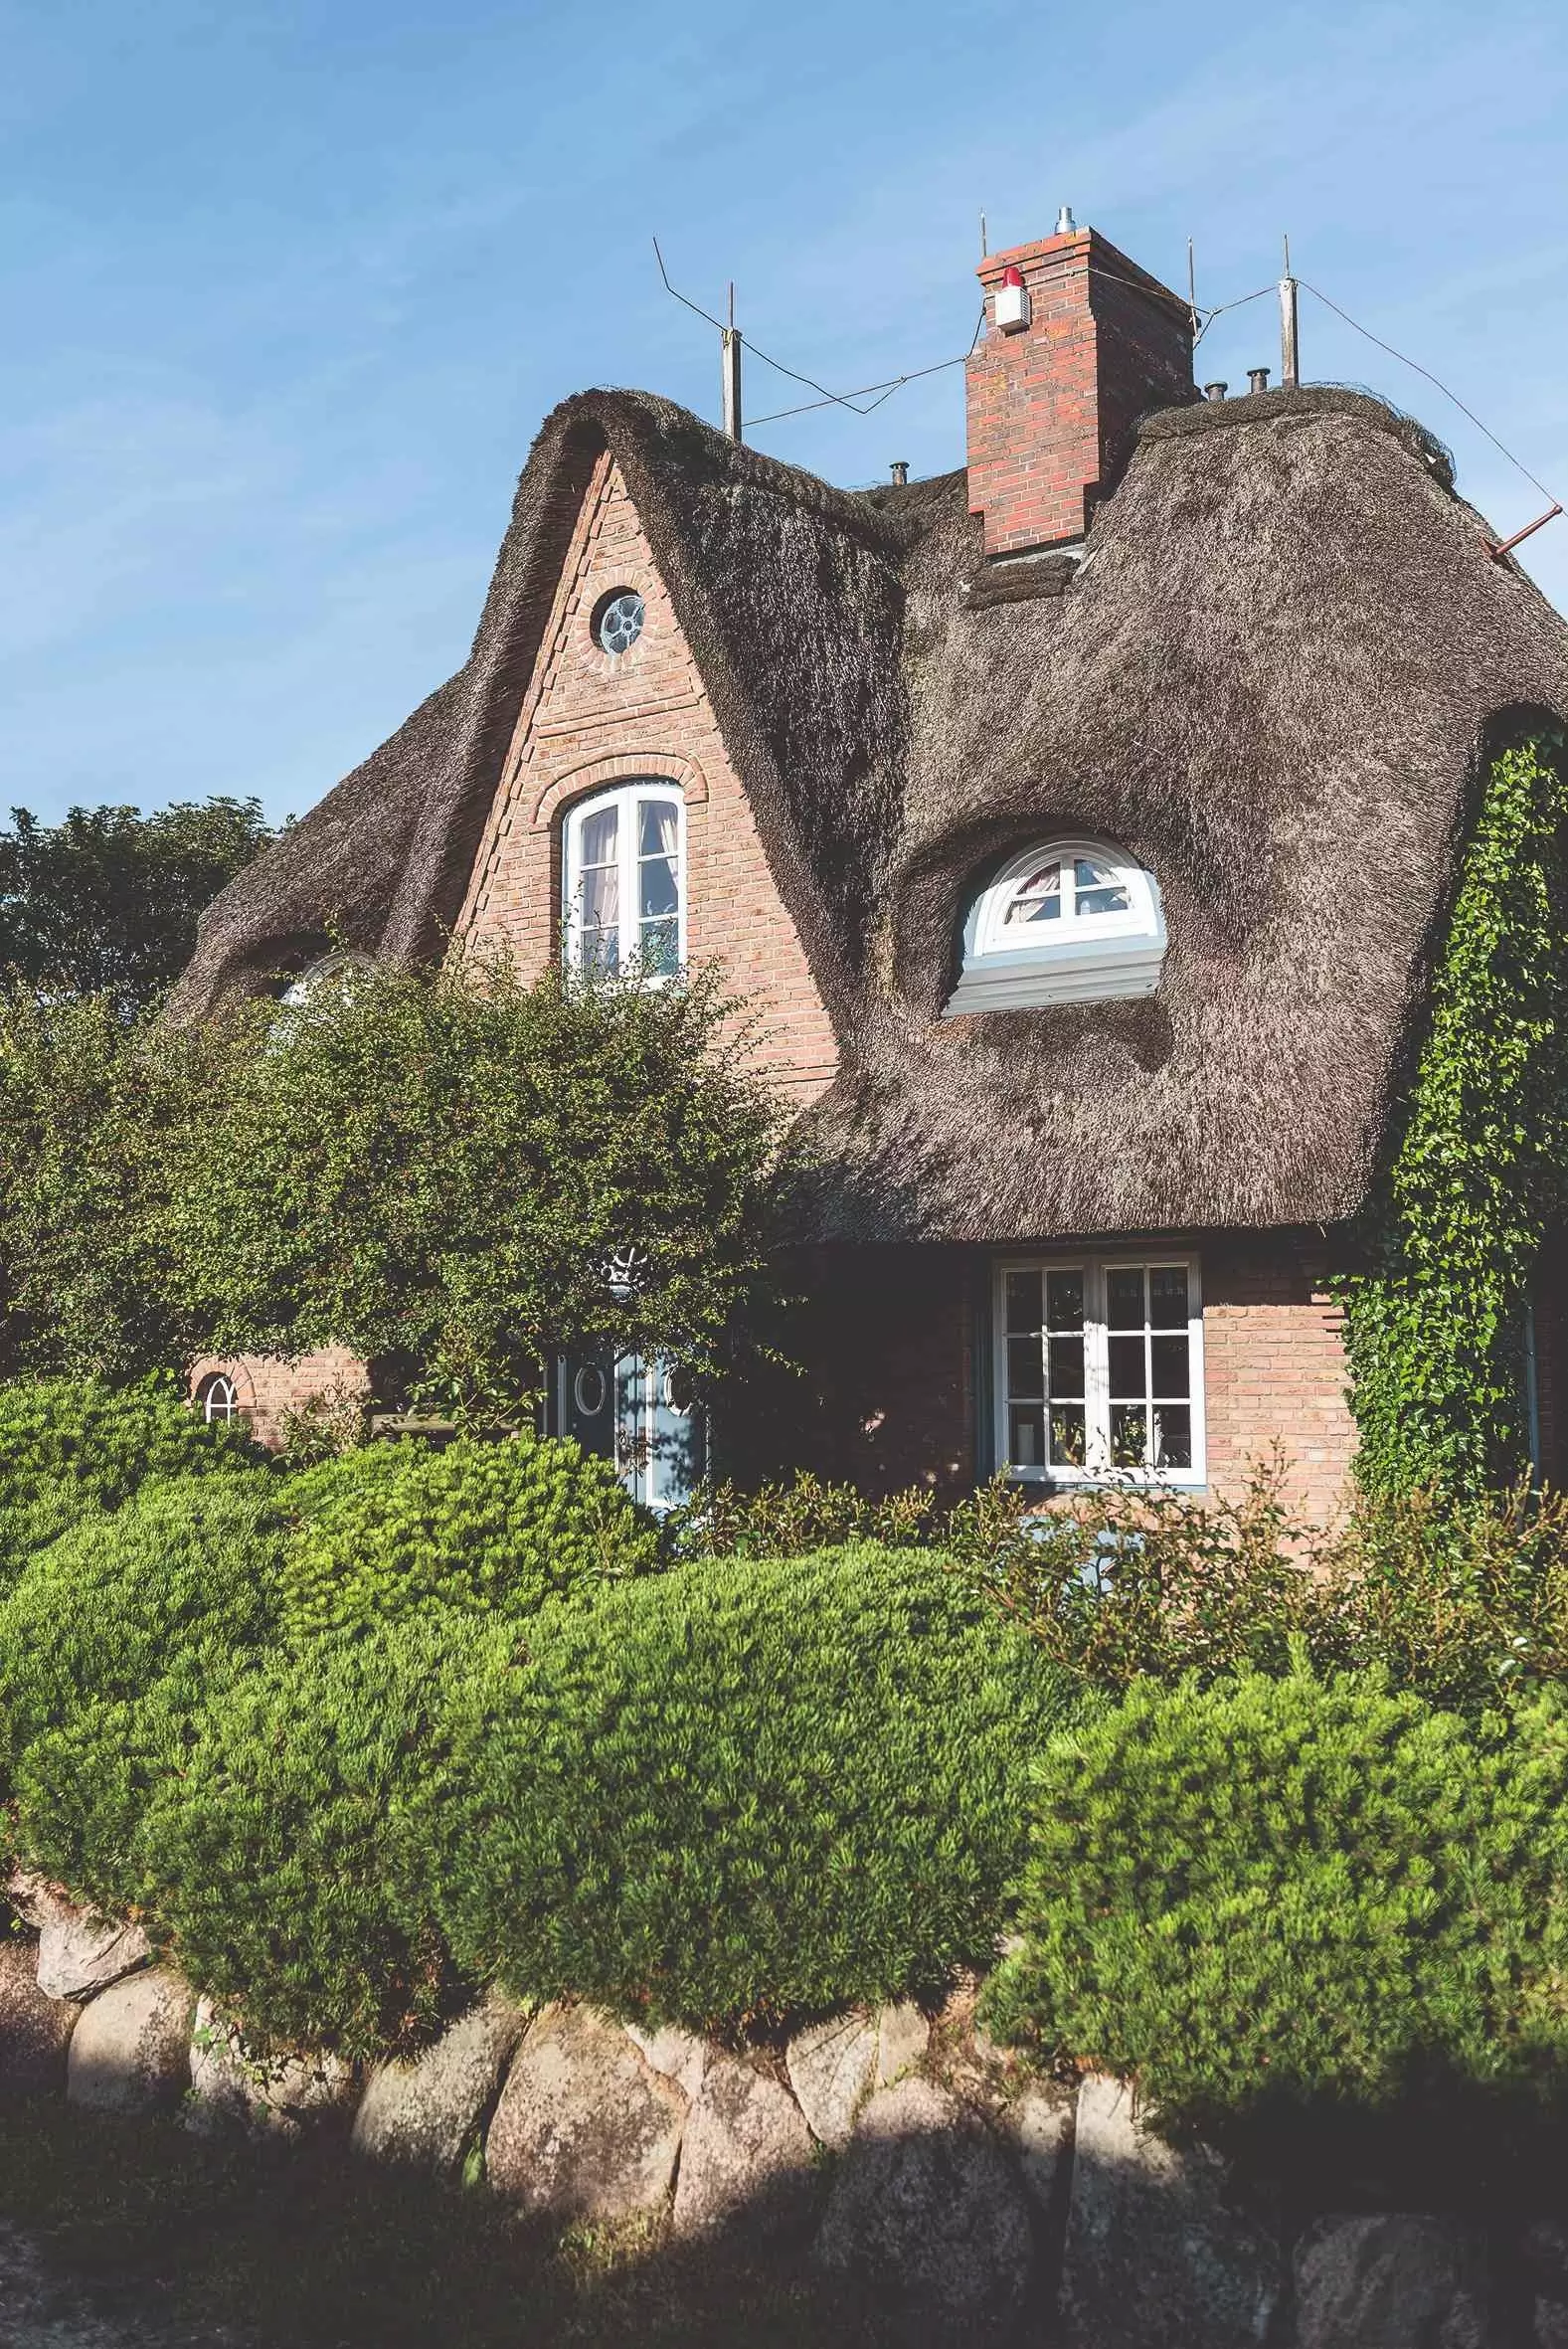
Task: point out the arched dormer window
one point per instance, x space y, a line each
1067 922
624 881
319 974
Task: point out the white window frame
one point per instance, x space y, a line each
1095 1266
298 992
206 1394
627 799
1076 959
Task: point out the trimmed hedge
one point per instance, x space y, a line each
495 1528
69 1446
181 1580
742 1789
1276 1893
269 1859
108 1440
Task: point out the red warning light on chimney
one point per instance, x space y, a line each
1012 300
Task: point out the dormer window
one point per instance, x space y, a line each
318 977
624 871
1067 922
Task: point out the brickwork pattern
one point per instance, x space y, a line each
269 1387
1275 1371
1052 406
591 719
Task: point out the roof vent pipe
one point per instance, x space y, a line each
1257 379
1215 390
1066 226
900 473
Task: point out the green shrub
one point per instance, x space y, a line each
52 1510
1136 1580
742 1789
492 1526
1278 1892
106 1441
268 1860
178 1581
83 1789
791 1519
1462 1600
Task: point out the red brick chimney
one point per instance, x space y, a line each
1079 342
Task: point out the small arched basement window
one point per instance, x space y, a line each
1067 922
218 1399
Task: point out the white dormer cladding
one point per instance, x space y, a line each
1069 921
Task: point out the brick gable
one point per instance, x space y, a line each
588 719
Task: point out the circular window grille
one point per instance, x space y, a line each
619 621
590 1390
218 1398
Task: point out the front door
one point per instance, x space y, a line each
630 1411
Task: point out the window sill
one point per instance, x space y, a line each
1008 984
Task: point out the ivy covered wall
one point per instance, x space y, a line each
1436 1315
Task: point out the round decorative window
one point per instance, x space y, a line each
618 621
590 1390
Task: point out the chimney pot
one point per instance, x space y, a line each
1257 379
1066 226
900 473
1215 390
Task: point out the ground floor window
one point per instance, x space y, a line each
1099 1369
217 1399
633 1411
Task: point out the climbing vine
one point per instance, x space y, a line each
1435 1317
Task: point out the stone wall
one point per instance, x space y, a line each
975 2204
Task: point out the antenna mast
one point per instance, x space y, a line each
730 361
1289 370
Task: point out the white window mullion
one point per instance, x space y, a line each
1097 1372
626 840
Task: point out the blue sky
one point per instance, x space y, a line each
288 285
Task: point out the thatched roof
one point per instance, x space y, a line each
1273 680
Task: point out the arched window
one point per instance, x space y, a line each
298 992
624 881
218 1398
1067 922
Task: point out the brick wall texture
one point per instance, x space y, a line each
591 719
268 1389
894 1393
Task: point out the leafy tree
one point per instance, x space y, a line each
106 902
458 1174
95 1113
454 1175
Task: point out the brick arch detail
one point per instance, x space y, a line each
619 767
232 1367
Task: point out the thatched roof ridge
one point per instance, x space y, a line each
1273 680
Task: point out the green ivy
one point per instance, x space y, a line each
1434 1318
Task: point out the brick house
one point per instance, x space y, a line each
1080 822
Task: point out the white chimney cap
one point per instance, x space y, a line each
1066 226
